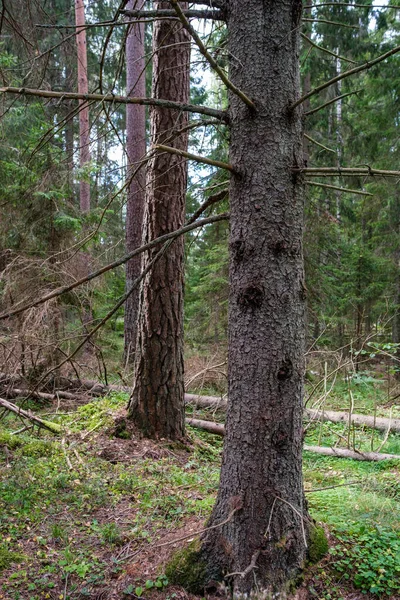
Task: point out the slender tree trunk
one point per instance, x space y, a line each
157 402
136 149
83 88
261 488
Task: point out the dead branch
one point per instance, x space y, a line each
25 414
162 13
336 187
213 63
169 104
196 157
347 172
314 110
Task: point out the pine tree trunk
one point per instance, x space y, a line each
83 88
157 402
261 476
136 150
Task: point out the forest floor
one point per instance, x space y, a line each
98 513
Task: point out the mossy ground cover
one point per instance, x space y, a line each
84 515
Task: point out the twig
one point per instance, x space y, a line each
70 467
248 569
336 187
346 172
270 518
196 533
214 65
310 139
314 110
314 45
302 518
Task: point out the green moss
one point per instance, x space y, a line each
11 441
37 448
318 545
187 569
7 558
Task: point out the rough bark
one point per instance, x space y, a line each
83 88
136 150
261 474
157 401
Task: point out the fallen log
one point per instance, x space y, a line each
27 414
219 429
380 423
18 392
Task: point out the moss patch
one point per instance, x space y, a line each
187 569
37 449
318 546
7 558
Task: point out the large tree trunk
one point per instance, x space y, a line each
261 474
83 88
136 149
157 402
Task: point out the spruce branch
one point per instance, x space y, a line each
169 104
335 99
197 158
213 63
338 188
345 74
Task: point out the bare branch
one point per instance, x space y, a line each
217 15
117 263
371 6
348 73
346 172
203 110
336 23
214 65
310 41
340 189
314 110
310 139
189 156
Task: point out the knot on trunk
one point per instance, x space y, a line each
285 370
251 296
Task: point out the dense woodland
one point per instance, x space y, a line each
199 299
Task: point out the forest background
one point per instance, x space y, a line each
351 243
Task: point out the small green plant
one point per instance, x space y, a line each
370 558
110 533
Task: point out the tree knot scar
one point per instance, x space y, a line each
285 370
278 246
236 502
238 249
297 8
252 296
